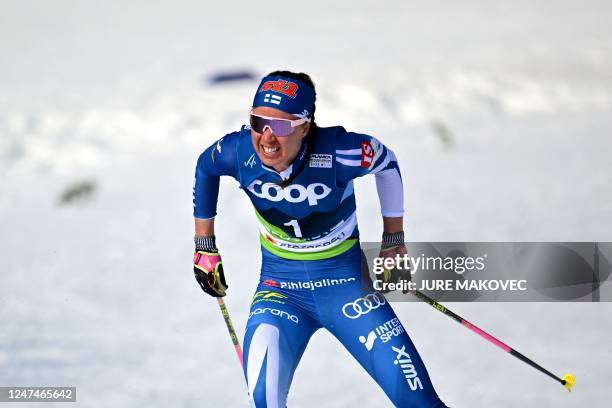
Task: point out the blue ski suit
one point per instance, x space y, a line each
312 265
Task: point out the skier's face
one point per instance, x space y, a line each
273 151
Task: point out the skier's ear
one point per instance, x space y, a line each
305 129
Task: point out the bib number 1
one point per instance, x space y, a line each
296 228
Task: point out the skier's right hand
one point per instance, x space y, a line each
208 271
394 275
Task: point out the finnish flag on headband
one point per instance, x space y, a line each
269 98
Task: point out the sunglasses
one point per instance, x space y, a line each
278 127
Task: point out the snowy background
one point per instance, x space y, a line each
499 114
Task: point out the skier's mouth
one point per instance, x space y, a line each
271 152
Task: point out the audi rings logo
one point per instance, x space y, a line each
364 305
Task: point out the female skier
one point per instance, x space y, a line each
299 178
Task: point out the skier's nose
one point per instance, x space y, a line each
267 135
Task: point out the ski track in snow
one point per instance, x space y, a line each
502 131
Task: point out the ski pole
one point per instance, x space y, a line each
567 381
230 329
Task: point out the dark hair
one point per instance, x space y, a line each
305 78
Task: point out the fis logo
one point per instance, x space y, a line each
403 360
281 86
293 193
251 162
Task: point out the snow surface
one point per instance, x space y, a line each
499 114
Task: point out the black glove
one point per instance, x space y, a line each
208 271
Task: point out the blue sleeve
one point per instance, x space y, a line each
359 154
219 159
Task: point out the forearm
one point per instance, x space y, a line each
204 227
393 224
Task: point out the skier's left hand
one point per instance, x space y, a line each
208 271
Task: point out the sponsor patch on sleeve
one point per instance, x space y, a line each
320 160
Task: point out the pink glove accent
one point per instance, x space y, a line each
206 261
